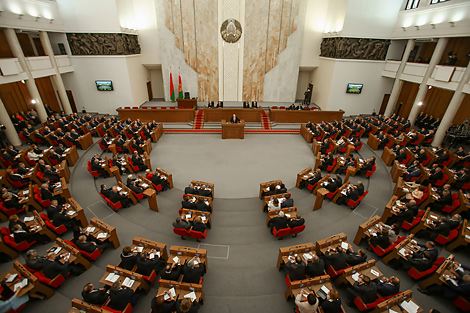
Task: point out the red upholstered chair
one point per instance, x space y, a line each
275 107
311 187
381 252
112 205
95 174
332 166
9 212
361 306
369 173
154 108
282 107
17 184
408 226
359 146
466 186
334 273
406 160
54 283
9 163
441 182
454 206
415 274
11 310
127 108
29 269
151 278
424 197
330 148
330 195
138 196
446 163
40 176
197 234
58 230
425 162
445 240
288 280
29 161
462 303
127 309
353 204
180 231
173 108
38 198
294 231
90 256
281 232
163 108
10 241
102 146
22 137
134 168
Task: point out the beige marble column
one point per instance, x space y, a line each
10 131
46 44
30 83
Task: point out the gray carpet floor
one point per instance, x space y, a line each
242 254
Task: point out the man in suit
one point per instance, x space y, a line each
335 257
105 191
52 209
182 224
388 287
315 266
186 203
451 290
412 171
51 173
445 199
234 119
145 265
297 269
420 261
138 161
53 267
254 104
279 222
89 246
171 271
326 161
20 234
288 202
355 258
381 239
436 174
462 177
364 288
128 259
352 193
120 297
61 218
33 261
93 295
193 270
116 196
441 227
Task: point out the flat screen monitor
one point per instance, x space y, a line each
354 88
104 85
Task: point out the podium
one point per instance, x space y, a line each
233 130
187 103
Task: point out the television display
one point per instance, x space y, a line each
104 85
354 88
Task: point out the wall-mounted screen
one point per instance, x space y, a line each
354 88
104 85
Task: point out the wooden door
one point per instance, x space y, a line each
149 90
384 103
71 100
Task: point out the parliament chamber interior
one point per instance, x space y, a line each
336 134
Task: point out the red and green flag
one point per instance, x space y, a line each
172 89
180 87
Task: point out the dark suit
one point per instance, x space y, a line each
173 275
234 120
337 260
354 258
120 298
387 289
36 263
278 222
368 293
96 296
193 275
287 203
315 269
296 271
54 268
194 307
188 205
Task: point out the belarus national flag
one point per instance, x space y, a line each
180 87
172 90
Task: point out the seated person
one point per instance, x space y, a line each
94 295
160 305
364 288
188 203
171 271
296 221
347 163
105 191
281 189
332 304
315 266
138 162
136 188
20 234
128 258
51 173
186 305
442 201
12 201
33 261
312 180
350 193
90 246
327 160
15 220
96 166
53 267
388 287
297 269
202 206
145 265
278 222
181 223
288 202
367 166
193 270
306 301
120 296
413 171
336 257
117 196
380 239
199 225
274 205
355 258
62 218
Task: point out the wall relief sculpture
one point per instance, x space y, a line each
354 48
103 44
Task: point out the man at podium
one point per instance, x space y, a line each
234 119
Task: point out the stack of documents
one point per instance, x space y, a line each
128 282
191 295
172 292
102 235
112 277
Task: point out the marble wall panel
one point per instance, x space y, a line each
294 16
189 32
274 29
178 24
285 18
168 15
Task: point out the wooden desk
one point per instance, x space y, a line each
181 289
71 155
281 197
289 213
220 114
395 303
320 183
306 133
304 116
395 253
148 244
79 214
187 103
397 171
388 156
233 130
304 175
191 215
426 220
437 278
373 142
186 253
285 252
322 245
64 170
313 284
367 269
159 115
80 306
202 184
139 281
41 227
34 286
106 228
265 187
321 193
75 256
62 189
85 141
463 239
167 175
151 195
207 200
364 227
318 161
316 147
